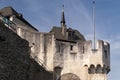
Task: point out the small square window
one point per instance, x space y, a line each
73 56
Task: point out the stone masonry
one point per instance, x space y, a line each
15 60
63 51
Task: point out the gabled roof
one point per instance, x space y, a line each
9 11
77 36
64 34
57 32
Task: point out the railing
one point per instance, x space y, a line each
8 23
42 64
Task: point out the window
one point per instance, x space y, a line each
104 69
83 49
57 72
70 34
71 47
73 56
98 69
60 48
91 69
105 53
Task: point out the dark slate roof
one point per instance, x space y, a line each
9 11
77 36
57 32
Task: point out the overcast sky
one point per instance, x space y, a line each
44 14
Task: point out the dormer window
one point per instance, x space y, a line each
71 33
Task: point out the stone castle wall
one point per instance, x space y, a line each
15 60
42 46
79 60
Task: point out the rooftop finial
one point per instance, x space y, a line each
63 26
62 8
63 16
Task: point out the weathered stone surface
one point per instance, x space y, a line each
62 50
15 61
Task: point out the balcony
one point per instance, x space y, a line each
8 23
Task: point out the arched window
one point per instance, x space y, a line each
86 65
57 72
104 69
98 69
91 69
108 69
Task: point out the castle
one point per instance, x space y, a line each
64 51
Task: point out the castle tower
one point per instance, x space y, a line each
64 51
75 59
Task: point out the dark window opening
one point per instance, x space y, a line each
83 49
86 65
108 69
71 35
60 48
91 70
104 69
71 47
57 72
105 53
98 69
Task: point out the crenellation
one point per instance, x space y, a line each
88 46
100 44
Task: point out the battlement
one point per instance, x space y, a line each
98 56
100 46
